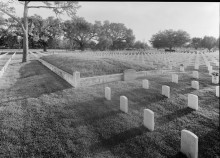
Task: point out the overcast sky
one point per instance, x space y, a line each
147 18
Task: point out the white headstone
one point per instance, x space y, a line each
170 67
196 66
182 68
195 74
215 79
193 101
189 144
195 84
209 67
108 93
166 91
145 84
124 104
149 119
175 78
217 91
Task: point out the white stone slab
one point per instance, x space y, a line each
175 78
124 104
193 101
130 74
217 91
149 119
166 91
215 79
195 84
195 74
182 68
145 84
108 93
189 144
196 66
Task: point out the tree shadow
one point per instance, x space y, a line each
35 80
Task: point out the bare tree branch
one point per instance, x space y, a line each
13 17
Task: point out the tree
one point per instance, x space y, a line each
170 39
140 45
196 42
208 42
80 31
217 43
58 7
104 43
44 32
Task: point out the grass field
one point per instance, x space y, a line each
89 67
43 116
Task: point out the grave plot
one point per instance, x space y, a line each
89 67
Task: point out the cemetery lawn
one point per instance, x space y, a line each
89 67
43 116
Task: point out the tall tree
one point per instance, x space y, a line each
170 39
196 42
58 7
80 31
208 42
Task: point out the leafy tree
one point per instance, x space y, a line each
217 43
170 39
104 43
140 45
208 42
196 42
58 7
44 32
80 31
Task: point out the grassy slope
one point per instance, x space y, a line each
91 67
55 120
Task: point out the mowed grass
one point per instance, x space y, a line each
56 120
89 67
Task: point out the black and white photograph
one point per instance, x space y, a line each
109 79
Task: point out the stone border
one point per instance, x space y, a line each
75 80
6 65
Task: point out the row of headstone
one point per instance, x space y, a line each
189 141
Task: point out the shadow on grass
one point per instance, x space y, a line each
143 96
170 117
210 141
35 80
178 155
117 139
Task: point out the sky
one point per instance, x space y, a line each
148 18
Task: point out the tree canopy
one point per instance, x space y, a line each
169 39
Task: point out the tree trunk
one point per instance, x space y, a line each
25 38
45 47
82 46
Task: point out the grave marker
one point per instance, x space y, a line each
193 101
195 84
166 91
195 74
124 104
217 91
130 74
108 93
149 119
145 84
175 78
189 144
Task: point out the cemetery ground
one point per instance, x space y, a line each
41 115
